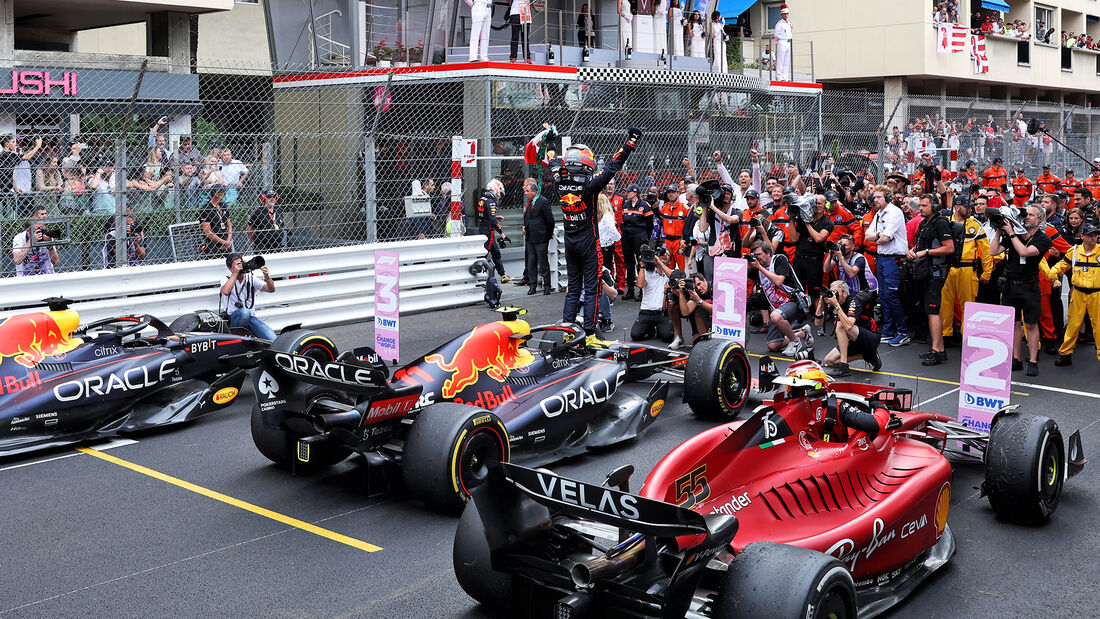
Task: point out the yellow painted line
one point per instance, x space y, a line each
894 374
217 496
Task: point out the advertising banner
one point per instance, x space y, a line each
387 306
985 382
730 291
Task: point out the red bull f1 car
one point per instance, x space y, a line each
831 500
503 391
62 383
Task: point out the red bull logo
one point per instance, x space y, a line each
488 348
30 338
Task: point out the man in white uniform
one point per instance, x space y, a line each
481 13
783 36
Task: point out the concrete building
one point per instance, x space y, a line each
892 48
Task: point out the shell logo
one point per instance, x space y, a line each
656 408
943 504
225 396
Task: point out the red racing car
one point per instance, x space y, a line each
831 500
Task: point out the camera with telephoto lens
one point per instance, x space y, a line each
754 221
1015 215
647 257
831 247
827 293
253 264
750 258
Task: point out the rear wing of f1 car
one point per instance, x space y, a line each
516 503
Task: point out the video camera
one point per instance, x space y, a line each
708 192
648 257
1015 215
800 208
253 264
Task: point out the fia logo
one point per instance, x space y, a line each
267 385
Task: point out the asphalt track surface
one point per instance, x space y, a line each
194 522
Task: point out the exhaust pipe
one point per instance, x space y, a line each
616 561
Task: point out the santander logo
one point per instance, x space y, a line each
25 82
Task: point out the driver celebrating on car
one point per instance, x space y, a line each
238 296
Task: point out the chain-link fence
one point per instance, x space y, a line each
366 156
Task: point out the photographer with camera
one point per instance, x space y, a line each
856 331
759 227
929 261
809 235
844 263
238 294
38 259
691 298
135 244
652 281
777 280
1019 285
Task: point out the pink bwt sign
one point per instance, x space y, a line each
40 83
387 304
730 292
985 383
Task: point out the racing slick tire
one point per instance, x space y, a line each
716 379
768 579
1024 468
473 567
447 451
280 445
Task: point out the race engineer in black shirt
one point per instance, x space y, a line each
857 334
1020 285
577 187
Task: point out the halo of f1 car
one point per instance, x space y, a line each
63 383
830 500
505 391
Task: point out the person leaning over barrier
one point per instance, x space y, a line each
856 330
238 296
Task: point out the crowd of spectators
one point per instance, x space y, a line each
1079 41
946 12
54 177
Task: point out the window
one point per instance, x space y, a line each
773 14
1044 22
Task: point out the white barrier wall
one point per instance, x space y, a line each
312 287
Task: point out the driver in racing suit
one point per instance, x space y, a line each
848 414
577 187
489 224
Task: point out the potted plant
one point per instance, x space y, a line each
400 58
382 53
416 54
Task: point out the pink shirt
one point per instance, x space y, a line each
911 229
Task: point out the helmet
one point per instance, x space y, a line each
579 160
496 188
811 371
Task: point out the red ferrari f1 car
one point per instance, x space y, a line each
831 500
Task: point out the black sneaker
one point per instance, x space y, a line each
1017 365
839 370
1050 347
1032 368
937 357
873 358
520 282
928 354
1064 360
532 290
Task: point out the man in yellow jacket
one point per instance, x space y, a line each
1084 262
961 285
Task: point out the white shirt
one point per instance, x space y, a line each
891 222
232 172
609 234
241 293
23 176
783 30
653 295
41 254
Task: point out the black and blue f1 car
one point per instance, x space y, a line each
62 383
503 391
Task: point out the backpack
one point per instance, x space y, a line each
958 235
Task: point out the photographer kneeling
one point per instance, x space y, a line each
653 281
856 332
689 298
239 294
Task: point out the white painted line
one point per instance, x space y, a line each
938 396
118 442
1084 394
